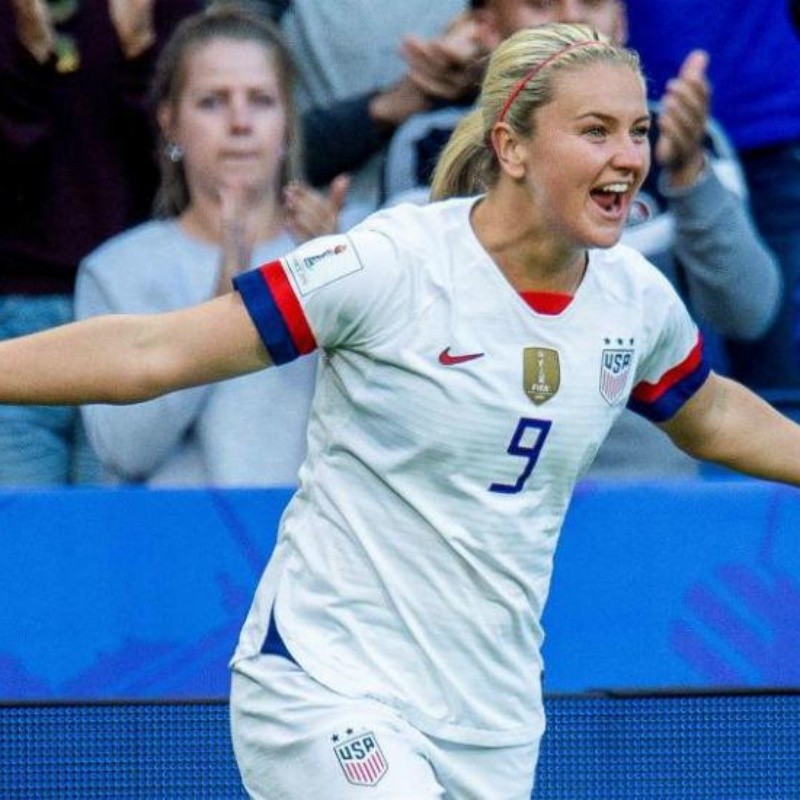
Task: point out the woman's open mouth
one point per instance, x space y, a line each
613 199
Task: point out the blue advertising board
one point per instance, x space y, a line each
137 593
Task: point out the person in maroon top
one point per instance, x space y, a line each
77 166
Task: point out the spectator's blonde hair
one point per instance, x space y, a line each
518 81
221 20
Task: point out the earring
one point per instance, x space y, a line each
174 152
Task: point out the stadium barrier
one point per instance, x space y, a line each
621 746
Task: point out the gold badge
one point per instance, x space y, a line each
541 373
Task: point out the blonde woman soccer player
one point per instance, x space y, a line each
475 353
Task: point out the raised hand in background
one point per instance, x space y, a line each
682 121
238 232
310 213
35 27
133 22
446 67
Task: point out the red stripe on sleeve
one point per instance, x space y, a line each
649 392
286 300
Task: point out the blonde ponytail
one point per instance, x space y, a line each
467 163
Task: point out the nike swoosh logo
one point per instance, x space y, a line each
448 360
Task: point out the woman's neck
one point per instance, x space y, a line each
528 254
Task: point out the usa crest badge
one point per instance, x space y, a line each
541 373
615 367
362 760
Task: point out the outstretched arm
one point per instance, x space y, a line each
134 440
726 423
129 358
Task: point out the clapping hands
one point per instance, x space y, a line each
307 214
35 28
310 213
132 20
682 121
237 231
447 67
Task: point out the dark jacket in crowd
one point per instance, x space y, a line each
76 146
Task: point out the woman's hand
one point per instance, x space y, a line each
682 122
310 213
133 22
34 28
447 67
237 242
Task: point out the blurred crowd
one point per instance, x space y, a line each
150 150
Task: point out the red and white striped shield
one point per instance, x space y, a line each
362 760
614 371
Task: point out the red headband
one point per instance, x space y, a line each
520 85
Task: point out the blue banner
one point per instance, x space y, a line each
137 593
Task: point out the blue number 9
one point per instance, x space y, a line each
530 452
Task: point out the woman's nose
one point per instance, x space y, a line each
632 154
240 114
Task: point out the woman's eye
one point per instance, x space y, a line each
641 132
210 101
596 132
266 100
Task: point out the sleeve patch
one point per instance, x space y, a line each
321 262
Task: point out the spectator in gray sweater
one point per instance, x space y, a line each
226 204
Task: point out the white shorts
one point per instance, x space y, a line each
294 739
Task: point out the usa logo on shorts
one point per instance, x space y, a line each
362 760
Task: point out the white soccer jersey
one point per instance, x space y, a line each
449 426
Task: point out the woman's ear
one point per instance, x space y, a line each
164 118
509 149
